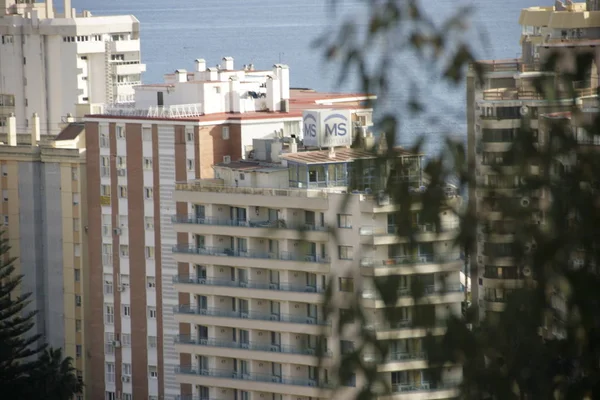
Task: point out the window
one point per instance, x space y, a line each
152 397
217 89
127 396
78 350
104 142
126 310
344 221
76 224
189 136
149 223
105 190
152 341
126 339
123 192
147 134
75 199
120 132
147 163
346 284
6 220
225 132
77 272
149 252
77 325
124 250
77 250
78 300
109 314
5 195
152 312
190 165
121 162
345 252
152 371
4 170
151 282
110 395
108 284
148 193
110 372
127 369
226 159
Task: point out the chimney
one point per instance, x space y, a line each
12 130
35 129
200 65
228 63
181 75
68 9
284 78
234 95
273 94
293 146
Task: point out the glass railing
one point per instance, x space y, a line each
403 324
216 312
226 374
284 287
271 348
424 386
407 260
275 224
427 291
397 357
219 251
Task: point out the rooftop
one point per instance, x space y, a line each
339 155
70 132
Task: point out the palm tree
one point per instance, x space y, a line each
55 379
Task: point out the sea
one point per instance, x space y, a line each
263 32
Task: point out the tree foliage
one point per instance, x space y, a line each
546 343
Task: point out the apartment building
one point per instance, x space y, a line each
495 110
173 132
255 253
44 216
56 64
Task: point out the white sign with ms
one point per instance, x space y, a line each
327 128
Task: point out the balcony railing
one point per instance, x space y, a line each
397 356
424 386
225 374
214 187
508 65
276 224
409 260
284 287
218 251
403 324
394 229
427 291
271 348
217 312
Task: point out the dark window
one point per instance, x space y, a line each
159 99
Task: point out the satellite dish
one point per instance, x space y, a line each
524 110
525 202
526 271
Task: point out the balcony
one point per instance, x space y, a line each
406 329
399 361
431 295
255 351
125 46
390 235
508 65
225 256
406 265
248 319
278 229
261 290
438 390
251 381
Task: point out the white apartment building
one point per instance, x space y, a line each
57 64
250 283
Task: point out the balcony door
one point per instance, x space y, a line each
202 303
238 215
200 272
199 211
203 365
202 332
275 309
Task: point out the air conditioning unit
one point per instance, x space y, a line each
121 172
126 378
274 348
274 317
120 288
116 343
244 315
273 286
117 231
526 271
310 320
525 202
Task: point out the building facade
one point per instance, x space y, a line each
496 108
255 252
44 216
57 64
174 132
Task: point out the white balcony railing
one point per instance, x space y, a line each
174 111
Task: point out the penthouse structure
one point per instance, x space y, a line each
175 131
495 110
255 252
57 64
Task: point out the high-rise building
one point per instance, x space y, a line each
256 248
174 132
57 64
44 216
495 110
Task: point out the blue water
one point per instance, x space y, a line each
264 32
